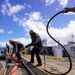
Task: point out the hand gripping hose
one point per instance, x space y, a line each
66 10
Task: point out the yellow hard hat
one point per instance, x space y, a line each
31 31
10 41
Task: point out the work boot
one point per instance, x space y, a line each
30 62
39 65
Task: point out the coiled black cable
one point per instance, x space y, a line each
59 44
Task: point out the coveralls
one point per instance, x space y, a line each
17 47
37 43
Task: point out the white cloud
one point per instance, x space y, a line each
15 18
33 22
36 22
38 25
64 34
71 26
9 32
2 44
9 9
35 16
15 9
29 6
1 31
62 3
22 40
70 13
49 2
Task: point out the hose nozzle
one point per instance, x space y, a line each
66 10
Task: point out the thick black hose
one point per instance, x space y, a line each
59 44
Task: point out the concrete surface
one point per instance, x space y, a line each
54 65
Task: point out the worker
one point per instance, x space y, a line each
37 43
17 47
7 48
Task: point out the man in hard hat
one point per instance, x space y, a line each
17 47
37 43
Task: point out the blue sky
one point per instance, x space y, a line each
18 17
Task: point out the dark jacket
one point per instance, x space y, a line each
36 41
17 45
